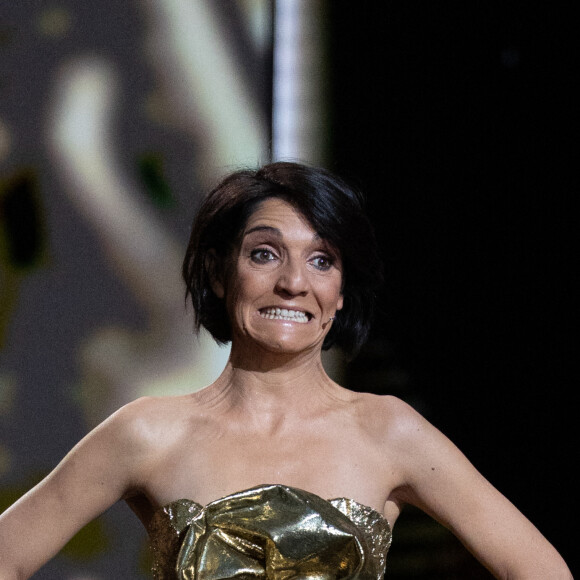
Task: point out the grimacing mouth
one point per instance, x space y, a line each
289 314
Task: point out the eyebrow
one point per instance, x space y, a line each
275 231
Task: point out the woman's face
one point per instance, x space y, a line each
284 283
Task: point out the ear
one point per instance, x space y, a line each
214 270
340 302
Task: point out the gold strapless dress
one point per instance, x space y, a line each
269 532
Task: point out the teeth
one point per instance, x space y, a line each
284 314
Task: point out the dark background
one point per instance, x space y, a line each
456 121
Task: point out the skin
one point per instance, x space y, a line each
274 416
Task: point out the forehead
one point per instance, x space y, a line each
280 215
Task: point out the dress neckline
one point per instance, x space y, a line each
249 490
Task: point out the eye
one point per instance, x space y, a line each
322 262
262 256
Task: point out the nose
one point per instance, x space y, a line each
292 280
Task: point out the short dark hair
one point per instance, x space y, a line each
335 212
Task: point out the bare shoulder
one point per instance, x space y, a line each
384 404
392 416
408 439
153 422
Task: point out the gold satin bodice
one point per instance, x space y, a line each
269 532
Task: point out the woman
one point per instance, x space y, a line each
283 264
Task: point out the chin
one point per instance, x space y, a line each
289 347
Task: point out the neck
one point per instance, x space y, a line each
272 383
256 358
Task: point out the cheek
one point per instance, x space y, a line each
334 291
243 288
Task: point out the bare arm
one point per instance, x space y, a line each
96 473
443 483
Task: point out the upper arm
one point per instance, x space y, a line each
97 472
442 482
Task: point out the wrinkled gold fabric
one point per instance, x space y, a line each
270 532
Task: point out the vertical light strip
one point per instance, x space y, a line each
298 109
